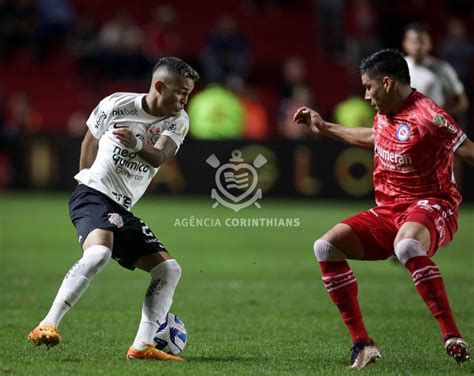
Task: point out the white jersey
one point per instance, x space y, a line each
447 78
450 81
425 81
118 172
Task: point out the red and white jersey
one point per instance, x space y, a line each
414 153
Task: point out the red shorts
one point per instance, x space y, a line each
378 227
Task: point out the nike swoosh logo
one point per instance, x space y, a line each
119 126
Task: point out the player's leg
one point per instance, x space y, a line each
344 242
416 239
97 252
139 248
165 273
331 251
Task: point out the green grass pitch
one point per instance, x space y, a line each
251 298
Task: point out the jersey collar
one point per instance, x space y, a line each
143 113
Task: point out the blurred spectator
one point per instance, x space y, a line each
21 117
417 44
330 15
18 23
256 125
294 74
302 95
216 113
85 46
425 81
21 122
457 49
163 38
361 31
354 112
120 41
56 21
271 5
226 52
76 125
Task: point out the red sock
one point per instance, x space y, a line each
342 287
430 286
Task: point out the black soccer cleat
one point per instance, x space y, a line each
457 348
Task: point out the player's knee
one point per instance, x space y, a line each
98 255
170 268
409 248
174 268
325 251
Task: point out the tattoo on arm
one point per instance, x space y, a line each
163 149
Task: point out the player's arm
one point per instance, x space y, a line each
159 153
466 151
156 155
459 105
362 137
89 148
455 89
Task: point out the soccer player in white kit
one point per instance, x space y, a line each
130 136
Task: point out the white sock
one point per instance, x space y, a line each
76 281
157 303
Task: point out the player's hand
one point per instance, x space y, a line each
310 118
125 136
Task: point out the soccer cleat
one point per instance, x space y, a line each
458 349
45 334
150 353
363 353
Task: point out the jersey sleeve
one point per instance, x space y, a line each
177 130
445 131
99 119
453 85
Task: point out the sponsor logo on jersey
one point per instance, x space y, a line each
441 122
100 120
172 127
124 112
390 156
116 126
123 199
123 157
116 219
403 132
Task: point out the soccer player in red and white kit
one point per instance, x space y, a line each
414 142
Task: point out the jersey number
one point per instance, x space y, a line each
146 230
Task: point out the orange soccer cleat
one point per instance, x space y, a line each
151 353
45 334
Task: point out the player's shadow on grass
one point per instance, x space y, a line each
222 359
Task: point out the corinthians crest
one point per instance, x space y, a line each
236 181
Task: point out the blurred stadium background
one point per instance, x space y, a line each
261 59
60 57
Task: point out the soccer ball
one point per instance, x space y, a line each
171 336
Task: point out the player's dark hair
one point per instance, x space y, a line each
177 66
419 27
388 62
